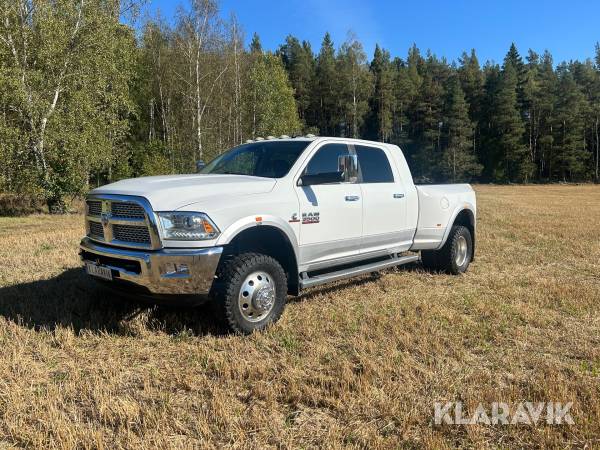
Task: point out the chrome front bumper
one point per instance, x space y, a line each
161 272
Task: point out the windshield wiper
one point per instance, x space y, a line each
228 172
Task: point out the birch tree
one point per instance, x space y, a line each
201 40
65 68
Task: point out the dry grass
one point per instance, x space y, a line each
358 364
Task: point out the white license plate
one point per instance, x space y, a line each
98 271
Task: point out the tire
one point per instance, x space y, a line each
251 292
455 256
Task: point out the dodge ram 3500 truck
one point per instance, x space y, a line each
272 217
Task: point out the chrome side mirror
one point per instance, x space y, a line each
348 165
200 165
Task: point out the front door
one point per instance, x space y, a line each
330 214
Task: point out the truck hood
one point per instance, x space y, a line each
171 192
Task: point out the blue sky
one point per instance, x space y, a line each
569 29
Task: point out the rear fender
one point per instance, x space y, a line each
471 215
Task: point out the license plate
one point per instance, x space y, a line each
98 271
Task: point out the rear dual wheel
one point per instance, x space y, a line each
456 254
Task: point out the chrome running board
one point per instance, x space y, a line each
307 282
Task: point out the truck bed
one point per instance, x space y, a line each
439 204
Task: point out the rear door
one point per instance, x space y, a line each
330 214
384 204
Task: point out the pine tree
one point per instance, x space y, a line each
508 121
596 111
471 79
546 101
514 59
530 105
570 157
459 160
428 119
298 60
382 103
325 86
405 91
255 45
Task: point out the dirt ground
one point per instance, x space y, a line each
356 364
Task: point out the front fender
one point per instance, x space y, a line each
252 221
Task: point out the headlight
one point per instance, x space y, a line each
187 226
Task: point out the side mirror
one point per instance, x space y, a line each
200 165
348 165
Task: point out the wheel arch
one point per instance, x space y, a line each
466 218
269 239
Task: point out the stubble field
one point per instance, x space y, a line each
357 364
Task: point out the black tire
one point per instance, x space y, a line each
232 275
447 258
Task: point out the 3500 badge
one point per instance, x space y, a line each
312 217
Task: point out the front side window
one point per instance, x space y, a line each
326 159
269 159
374 165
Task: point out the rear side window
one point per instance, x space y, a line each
374 165
326 159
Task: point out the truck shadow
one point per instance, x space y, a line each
73 300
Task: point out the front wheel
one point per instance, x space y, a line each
456 254
251 291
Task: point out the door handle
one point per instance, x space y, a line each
352 198
398 195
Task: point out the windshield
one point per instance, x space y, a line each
260 159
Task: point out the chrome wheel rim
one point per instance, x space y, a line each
462 251
257 296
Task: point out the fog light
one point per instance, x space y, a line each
173 268
182 268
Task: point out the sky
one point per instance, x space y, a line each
568 29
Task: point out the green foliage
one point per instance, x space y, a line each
571 156
270 106
509 129
63 91
459 162
325 87
299 63
151 159
20 204
382 102
355 86
82 102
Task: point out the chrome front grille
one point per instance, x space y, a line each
96 230
131 233
127 210
94 207
122 221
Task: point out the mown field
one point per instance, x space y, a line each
358 364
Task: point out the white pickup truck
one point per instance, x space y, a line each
272 217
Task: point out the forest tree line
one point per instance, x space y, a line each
86 99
